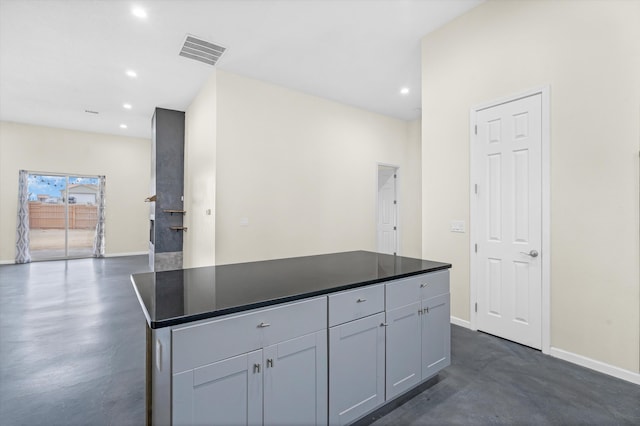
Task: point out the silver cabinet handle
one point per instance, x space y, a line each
423 285
256 368
263 324
270 362
361 300
384 324
532 253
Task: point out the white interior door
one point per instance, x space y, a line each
387 210
508 164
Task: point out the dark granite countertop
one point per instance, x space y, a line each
185 295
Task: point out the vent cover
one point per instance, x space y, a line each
201 50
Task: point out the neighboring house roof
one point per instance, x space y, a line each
82 188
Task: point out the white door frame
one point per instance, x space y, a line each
398 245
545 252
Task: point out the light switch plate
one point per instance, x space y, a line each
457 226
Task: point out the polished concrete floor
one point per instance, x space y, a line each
72 343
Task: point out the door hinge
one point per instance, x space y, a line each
476 247
476 129
476 306
395 176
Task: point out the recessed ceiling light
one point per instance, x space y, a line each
123 126
126 106
404 91
131 73
139 12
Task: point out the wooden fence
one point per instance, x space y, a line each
51 216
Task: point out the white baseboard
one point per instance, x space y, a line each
133 253
7 262
460 322
599 366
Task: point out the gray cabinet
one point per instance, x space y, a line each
324 360
280 379
356 354
436 335
418 332
403 349
227 392
295 381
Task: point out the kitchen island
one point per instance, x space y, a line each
319 340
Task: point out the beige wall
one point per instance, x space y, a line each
411 201
200 178
589 54
124 161
302 171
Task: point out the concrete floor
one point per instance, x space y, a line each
72 343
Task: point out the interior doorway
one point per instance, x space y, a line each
63 215
509 219
387 210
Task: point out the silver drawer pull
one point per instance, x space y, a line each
423 285
384 324
264 324
361 300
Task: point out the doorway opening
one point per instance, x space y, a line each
387 210
63 215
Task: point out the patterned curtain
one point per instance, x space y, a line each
22 228
98 240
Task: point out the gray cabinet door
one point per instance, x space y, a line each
356 368
227 392
404 366
436 335
295 381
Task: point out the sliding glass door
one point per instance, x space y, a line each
63 214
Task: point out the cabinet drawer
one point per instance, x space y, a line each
434 284
210 341
402 292
353 304
408 290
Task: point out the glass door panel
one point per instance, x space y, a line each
62 216
83 215
47 216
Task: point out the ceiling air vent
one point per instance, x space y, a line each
200 50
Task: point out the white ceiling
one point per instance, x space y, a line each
59 58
